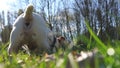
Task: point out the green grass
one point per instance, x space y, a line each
102 58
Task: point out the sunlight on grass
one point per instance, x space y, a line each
107 57
110 51
100 45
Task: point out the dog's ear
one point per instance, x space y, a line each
60 39
20 11
28 12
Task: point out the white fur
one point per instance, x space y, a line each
39 34
31 29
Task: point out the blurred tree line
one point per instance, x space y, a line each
67 17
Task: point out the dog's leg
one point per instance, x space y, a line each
15 40
46 46
43 46
41 41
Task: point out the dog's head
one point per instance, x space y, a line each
59 43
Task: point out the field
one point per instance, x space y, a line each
96 55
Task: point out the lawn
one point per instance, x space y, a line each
96 55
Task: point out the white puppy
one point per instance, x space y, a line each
30 29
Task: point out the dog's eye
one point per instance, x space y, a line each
27 24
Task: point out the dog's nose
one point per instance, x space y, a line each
27 24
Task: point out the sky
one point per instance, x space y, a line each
5 4
15 5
